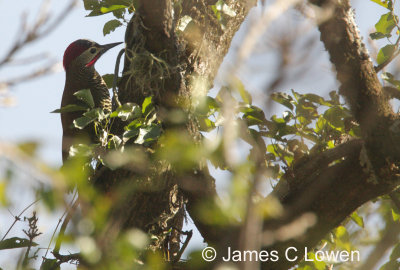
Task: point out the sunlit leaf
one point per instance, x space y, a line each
384 26
206 124
127 111
114 143
82 122
395 215
69 108
129 134
147 106
244 94
284 99
385 53
86 96
148 134
89 117
357 219
112 8
81 150
383 3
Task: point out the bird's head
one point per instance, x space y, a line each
85 53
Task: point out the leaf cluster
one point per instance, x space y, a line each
119 8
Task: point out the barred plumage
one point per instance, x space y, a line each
79 60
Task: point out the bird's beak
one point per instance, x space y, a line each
106 47
103 49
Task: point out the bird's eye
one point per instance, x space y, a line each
93 50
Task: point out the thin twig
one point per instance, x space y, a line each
27 36
19 218
387 62
32 233
33 75
58 224
189 235
64 226
116 102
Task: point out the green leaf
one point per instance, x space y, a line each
115 142
395 215
357 219
317 99
283 99
377 35
207 106
212 103
385 53
108 79
89 117
69 108
80 150
50 264
111 8
135 124
320 125
244 94
206 124
335 116
334 98
110 26
96 114
390 78
386 24
147 106
148 134
384 3
254 113
251 121
91 4
95 12
86 96
82 122
129 134
127 111
15 242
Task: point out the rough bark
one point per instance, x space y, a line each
367 168
153 199
331 185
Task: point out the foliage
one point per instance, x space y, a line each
272 146
384 28
119 8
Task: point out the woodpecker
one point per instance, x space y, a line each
79 59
